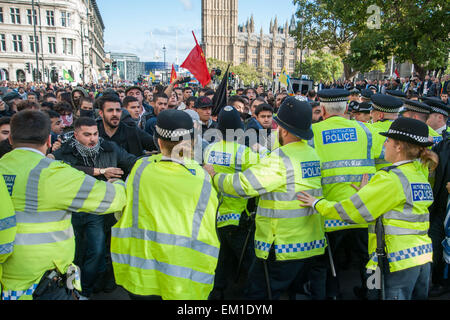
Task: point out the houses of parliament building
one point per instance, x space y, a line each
225 40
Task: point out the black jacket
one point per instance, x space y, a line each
442 174
111 156
130 138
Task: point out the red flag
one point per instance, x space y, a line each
173 74
396 73
196 64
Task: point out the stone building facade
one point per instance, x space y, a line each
69 36
224 39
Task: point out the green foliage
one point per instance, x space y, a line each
409 30
245 72
322 66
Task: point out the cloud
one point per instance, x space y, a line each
187 4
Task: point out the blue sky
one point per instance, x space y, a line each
142 27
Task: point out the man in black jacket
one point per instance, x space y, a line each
440 285
110 127
103 160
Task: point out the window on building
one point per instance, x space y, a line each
34 44
241 60
2 42
15 15
65 19
292 52
267 62
67 46
267 51
255 62
291 64
255 50
51 44
279 63
50 18
1 15
31 17
242 50
17 43
280 52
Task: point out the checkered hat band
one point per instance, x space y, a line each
412 136
415 109
437 110
337 99
383 109
169 134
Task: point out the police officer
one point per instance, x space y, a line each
233 220
7 225
438 116
286 239
420 111
44 194
398 225
165 245
345 150
385 111
361 112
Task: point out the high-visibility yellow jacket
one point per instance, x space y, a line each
401 198
230 157
166 243
7 225
345 151
378 142
295 233
435 136
45 193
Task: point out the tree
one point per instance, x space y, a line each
409 30
322 66
331 24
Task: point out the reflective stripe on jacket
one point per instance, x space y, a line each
165 243
345 151
230 157
45 193
294 232
402 197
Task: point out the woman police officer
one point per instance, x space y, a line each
395 204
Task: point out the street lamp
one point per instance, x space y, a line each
164 74
301 47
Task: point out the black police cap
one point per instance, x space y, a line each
229 118
437 105
173 125
409 130
333 95
386 103
396 93
416 106
296 117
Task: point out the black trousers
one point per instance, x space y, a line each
342 243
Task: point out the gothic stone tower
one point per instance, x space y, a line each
219 29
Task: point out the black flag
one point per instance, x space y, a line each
220 97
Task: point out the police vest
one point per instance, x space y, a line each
378 142
293 232
7 225
45 193
165 243
230 157
401 197
435 136
345 151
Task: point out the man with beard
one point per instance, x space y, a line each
132 139
161 103
102 160
317 112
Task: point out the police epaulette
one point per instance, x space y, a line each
387 169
